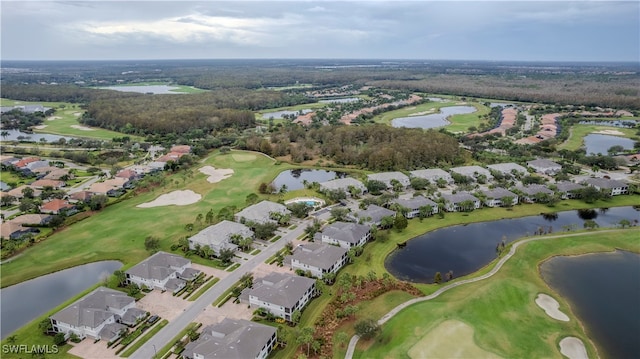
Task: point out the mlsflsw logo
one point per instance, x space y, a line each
29 349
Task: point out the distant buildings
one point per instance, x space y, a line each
545 166
388 177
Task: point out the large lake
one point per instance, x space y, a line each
154 89
26 301
294 179
598 143
17 135
467 248
434 120
604 292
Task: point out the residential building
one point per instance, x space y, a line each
508 168
261 212
388 177
613 187
97 315
472 172
345 234
32 219
414 204
82 196
373 215
58 174
162 270
530 192
56 206
568 190
433 175
494 197
233 339
458 201
318 258
343 184
11 230
17 192
545 166
281 294
218 236
40 184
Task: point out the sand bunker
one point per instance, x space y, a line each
610 132
52 118
82 128
422 113
573 348
216 175
550 306
40 127
178 198
77 114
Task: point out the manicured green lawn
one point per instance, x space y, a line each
118 232
576 139
459 123
67 115
501 310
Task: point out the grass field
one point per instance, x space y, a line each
437 343
67 115
459 123
500 310
575 140
118 232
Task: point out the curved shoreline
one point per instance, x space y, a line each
512 251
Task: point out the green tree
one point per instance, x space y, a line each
339 213
375 187
624 223
59 339
152 244
97 202
295 316
437 278
400 223
367 328
341 338
45 326
590 224
121 277
225 256
305 336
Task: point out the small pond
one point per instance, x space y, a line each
598 143
341 100
154 89
17 135
277 115
294 179
434 120
614 123
604 292
26 301
466 248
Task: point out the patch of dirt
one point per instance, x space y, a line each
82 128
52 118
40 127
610 132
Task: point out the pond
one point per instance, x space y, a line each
604 292
613 123
154 89
294 179
598 143
26 301
17 135
341 100
466 248
277 115
434 120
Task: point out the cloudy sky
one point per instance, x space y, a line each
473 30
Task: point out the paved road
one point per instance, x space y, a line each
354 340
189 315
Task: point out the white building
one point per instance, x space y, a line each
162 270
545 166
455 202
281 294
261 212
613 187
495 197
508 168
345 234
218 236
388 177
342 184
318 258
433 175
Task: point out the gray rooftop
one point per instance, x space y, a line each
259 212
386 177
472 171
459 197
507 167
346 231
376 213
231 339
499 192
281 289
158 266
543 163
605 183
92 309
219 234
568 186
432 174
318 255
342 184
416 202
534 189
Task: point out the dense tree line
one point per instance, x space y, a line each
16 119
375 147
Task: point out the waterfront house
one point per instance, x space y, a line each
612 187
162 270
388 177
494 197
373 215
530 193
569 190
343 184
345 234
460 202
414 204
